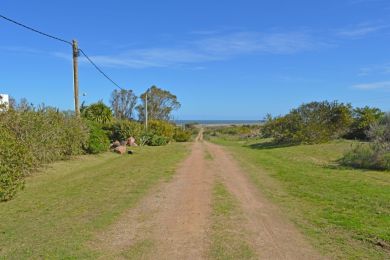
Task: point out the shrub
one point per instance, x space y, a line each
376 154
16 161
161 128
123 129
314 122
182 135
363 118
97 112
98 140
31 137
157 140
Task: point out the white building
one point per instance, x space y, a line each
4 102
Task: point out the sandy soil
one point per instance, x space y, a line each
176 216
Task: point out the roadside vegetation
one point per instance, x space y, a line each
34 136
337 190
65 205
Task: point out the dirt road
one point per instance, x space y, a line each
174 220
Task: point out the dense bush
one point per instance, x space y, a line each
182 135
314 122
98 140
158 133
16 161
376 154
31 137
161 128
123 129
363 118
157 140
97 112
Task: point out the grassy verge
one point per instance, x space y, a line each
345 212
227 239
62 207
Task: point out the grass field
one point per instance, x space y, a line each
63 206
345 212
227 237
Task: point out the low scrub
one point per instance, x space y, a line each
31 137
373 155
182 135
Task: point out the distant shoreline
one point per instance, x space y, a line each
219 122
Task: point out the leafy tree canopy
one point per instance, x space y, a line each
161 104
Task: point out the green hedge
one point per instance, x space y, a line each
32 137
98 140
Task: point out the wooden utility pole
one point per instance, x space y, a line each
146 111
76 78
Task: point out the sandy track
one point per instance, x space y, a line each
272 236
176 216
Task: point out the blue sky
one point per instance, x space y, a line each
223 59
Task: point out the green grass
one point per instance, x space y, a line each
140 250
345 212
227 236
65 205
208 156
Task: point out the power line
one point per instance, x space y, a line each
62 40
98 69
34 30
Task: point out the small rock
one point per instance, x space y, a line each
115 144
120 149
131 142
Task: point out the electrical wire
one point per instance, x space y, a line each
34 30
61 40
98 69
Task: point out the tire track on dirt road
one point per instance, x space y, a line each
174 221
174 218
272 236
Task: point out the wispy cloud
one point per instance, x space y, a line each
361 30
212 47
375 70
373 85
20 49
365 1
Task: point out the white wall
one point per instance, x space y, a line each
4 99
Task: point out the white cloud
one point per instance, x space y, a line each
375 70
365 1
373 85
361 30
211 48
20 49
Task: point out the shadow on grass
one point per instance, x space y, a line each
341 166
270 145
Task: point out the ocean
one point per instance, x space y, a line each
219 122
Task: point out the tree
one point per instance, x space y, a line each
314 122
123 103
161 103
363 118
97 112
